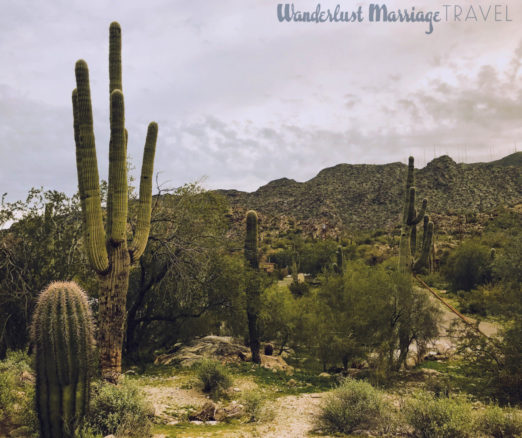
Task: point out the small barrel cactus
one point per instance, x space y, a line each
62 333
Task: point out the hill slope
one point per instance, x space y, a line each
366 196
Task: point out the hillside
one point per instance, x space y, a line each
367 196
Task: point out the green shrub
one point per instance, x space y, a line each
213 376
121 410
17 413
355 405
500 423
444 417
255 406
469 266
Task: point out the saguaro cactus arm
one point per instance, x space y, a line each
423 260
88 178
145 203
115 80
118 192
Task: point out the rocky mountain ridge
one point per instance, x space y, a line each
369 196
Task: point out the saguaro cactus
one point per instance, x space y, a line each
410 220
62 334
339 265
253 286
107 250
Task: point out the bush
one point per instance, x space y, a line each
121 410
17 413
254 403
500 423
469 266
214 376
444 417
355 405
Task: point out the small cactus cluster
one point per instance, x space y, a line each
62 333
411 218
253 292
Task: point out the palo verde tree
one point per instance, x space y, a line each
253 284
410 220
107 249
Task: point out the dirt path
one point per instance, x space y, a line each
294 417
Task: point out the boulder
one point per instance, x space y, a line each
231 411
206 413
222 348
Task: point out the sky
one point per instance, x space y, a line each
242 98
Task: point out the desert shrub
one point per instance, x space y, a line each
299 288
500 423
213 376
255 406
120 409
439 417
355 405
436 280
469 266
17 413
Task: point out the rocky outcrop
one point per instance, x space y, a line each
222 348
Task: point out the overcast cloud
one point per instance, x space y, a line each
242 99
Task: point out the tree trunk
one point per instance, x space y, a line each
112 311
253 333
404 348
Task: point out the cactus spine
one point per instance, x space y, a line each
107 249
410 220
252 291
62 334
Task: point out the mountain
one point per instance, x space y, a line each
369 196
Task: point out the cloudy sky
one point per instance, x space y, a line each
242 99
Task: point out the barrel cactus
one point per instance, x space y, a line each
62 333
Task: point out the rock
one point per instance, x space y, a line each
236 390
26 376
109 436
206 413
223 348
291 382
234 410
324 375
275 363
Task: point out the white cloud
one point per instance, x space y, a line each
244 99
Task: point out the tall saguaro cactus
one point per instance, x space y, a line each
410 220
107 249
62 333
253 286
